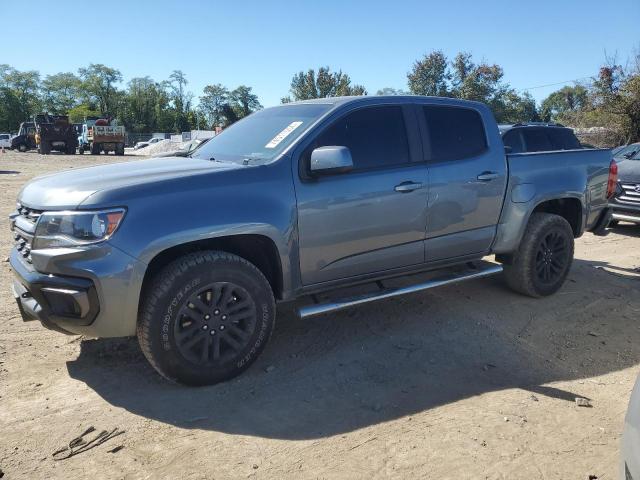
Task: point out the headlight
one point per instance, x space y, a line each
72 228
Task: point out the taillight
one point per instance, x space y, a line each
613 179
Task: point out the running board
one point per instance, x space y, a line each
475 270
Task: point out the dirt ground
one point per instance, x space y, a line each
466 381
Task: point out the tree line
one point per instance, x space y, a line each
143 105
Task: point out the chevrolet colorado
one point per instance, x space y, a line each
332 202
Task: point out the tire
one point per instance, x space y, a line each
95 149
543 260
71 150
22 148
182 328
120 149
81 150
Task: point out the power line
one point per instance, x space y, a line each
559 83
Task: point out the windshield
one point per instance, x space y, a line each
261 136
629 150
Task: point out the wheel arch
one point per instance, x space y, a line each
569 208
258 249
516 216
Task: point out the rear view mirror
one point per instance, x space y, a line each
331 160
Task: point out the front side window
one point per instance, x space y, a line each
454 133
537 140
376 137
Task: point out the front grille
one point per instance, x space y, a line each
630 193
23 224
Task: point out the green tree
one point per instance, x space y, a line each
616 92
243 101
564 101
78 113
514 108
99 84
430 75
212 103
10 111
61 92
143 96
25 86
387 91
181 100
325 83
463 78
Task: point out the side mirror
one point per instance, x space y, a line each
331 160
507 149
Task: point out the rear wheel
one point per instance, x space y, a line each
44 149
22 148
543 260
205 318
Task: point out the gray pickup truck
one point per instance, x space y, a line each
332 203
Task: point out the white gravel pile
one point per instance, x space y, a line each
160 147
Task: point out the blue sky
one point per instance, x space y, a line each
263 43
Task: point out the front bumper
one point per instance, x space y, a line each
91 291
626 213
57 301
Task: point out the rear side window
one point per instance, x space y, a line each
536 140
563 139
376 136
454 133
513 139
4 137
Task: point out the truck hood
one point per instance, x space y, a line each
67 190
629 171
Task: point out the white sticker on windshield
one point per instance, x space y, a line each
282 135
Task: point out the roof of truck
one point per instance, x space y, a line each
335 101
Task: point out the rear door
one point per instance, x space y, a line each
372 218
467 180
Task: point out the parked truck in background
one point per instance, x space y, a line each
55 132
300 202
538 137
26 137
102 135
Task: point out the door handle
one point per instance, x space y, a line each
406 187
487 176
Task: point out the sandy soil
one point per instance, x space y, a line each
467 381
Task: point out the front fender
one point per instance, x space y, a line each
252 201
